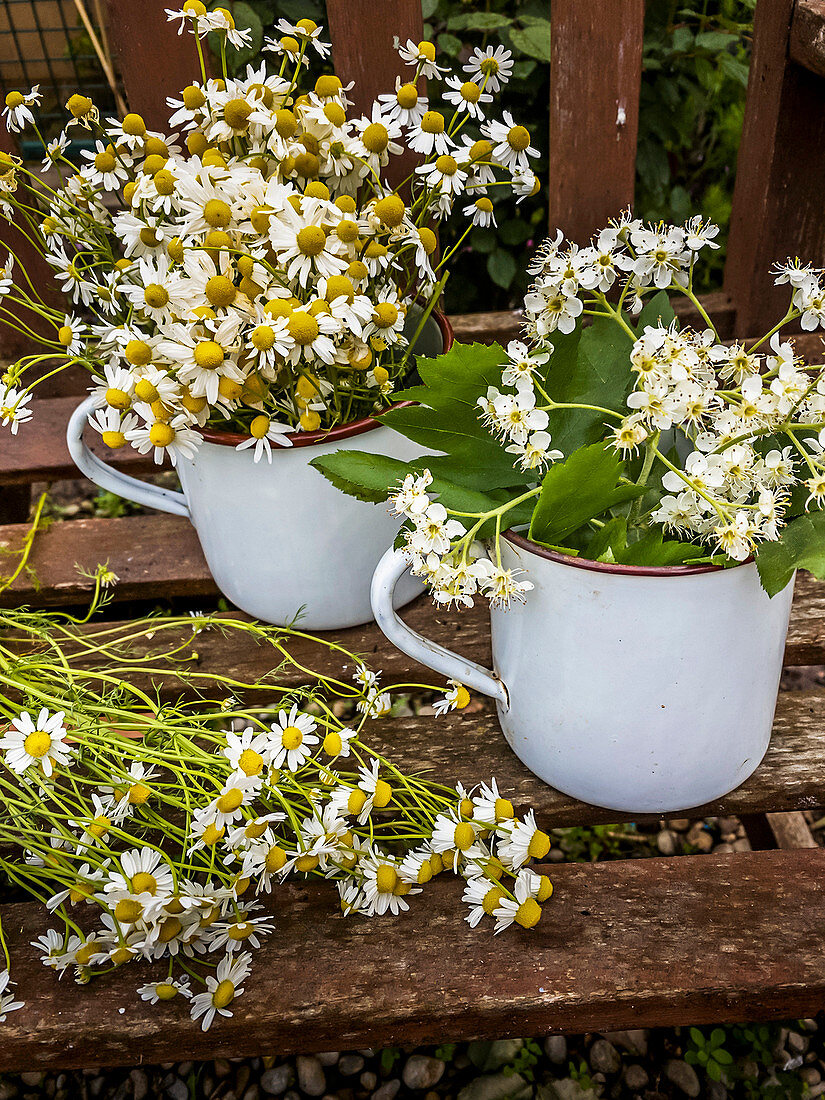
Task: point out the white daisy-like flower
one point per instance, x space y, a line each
7 1001
173 438
382 887
491 68
13 410
16 111
247 751
466 96
40 741
165 990
520 841
456 698
221 989
263 433
292 739
524 909
511 143
421 56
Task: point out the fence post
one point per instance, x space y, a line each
780 173
595 76
154 60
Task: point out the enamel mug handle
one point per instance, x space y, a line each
107 477
389 571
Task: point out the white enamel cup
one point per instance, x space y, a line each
279 539
638 689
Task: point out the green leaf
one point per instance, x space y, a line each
609 541
533 39
429 8
479 21
501 267
582 487
717 1037
653 550
802 546
723 1057
483 240
450 45
697 1036
246 19
514 232
446 418
715 40
713 1071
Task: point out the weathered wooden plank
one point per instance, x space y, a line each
807 41
596 67
39 453
627 944
780 172
154 61
159 556
790 830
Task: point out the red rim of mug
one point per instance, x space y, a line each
345 431
612 567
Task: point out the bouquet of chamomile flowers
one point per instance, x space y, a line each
255 269
160 832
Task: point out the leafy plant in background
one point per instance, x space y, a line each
709 1052
695 68
747 1054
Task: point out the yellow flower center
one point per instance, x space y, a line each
290 44
84 953
128 911
114 440
539 845
164 182
518 138
156 296
385 314
105 161
407 96
385 878
209 354
307 165
133 125
258 429
275 859
241 931
426 50
117 399
447 165
15 99
383 794
144 883
302 326
169 929
463 836
79 105
327 86
220 291
138 794
146 391
503 809
37 744
491 900
306 863
333 743
356 800
138 353
545 888
375 137
390 210
470 91
347 230
484 205
236 114
229 802
311 240
375 250
339 286
166 991
193 98
217 214
528 913
65 335
160 434
335 114
224 994
489 66
292 737
432 123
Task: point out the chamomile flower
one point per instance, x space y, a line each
511 143
263 433
292 739
491 68
467 96
522 909
13 410
172 438
7 1001
421 57
37 741
222 989
166 990
17 111
520 841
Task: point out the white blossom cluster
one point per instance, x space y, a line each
256 269
730 430
163 864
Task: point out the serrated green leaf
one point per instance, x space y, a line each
533 39
501 267
802 546
580 488
479 21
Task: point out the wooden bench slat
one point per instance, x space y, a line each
807 41
159 556
627 944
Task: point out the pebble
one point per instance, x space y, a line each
311 1077
816 1090
742 845
716 1091
636 1078
699 837
178 1090
350 1064
252 1093
604 1058
728 827
555 1047
122 1092
97 1084
7 1090
275 1080
368 1080
222 1067
498 1086
667 842
387 1091
680 824
184 1069
555 855
796 1043
724 847
683 1076
810 1075
421 1072
140 1084
633 1041
329 1057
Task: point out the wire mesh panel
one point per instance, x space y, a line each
44 42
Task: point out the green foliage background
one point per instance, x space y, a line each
696 55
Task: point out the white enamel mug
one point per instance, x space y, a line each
638 689
279 539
